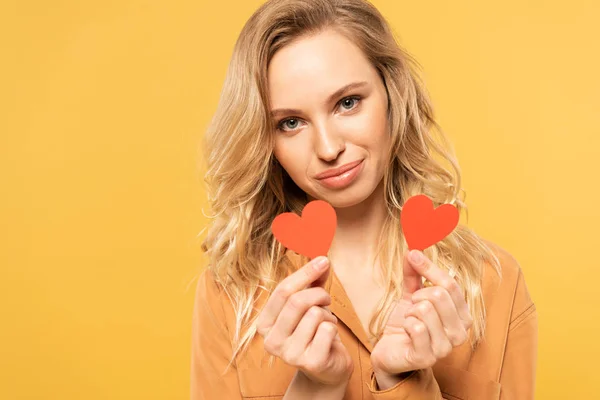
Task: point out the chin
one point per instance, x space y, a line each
346 198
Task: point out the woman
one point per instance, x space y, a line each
315 86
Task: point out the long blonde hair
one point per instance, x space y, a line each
247 188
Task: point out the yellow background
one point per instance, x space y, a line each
103 104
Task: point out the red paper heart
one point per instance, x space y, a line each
423 225
310 235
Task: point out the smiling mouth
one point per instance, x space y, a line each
344 179
338 171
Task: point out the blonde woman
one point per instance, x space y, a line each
320 102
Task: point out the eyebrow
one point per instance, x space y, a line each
337 93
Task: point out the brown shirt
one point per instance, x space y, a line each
503 366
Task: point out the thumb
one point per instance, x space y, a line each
411 281
322 280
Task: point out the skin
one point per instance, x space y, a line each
424 325
297 328
323 133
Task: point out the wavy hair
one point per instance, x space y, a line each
247 188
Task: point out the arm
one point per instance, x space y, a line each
303 388
211 347
517 376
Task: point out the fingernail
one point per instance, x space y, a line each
321 263
415 257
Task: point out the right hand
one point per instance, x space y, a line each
297 327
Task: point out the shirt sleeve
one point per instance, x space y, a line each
211 377
517 377
420 384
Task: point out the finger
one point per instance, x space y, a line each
454 325
297 305
322 279
411 281
299 280
426 312
419 334
279 344
320 348
305 332
440 277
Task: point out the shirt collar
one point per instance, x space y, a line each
342 308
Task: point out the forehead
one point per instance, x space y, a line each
315 66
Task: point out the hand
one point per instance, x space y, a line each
298 328
425 324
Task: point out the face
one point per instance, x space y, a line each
319 127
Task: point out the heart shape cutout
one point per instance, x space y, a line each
311 234
423 225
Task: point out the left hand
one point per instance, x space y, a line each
425 324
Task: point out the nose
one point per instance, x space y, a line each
327 142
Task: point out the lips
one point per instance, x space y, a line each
338 171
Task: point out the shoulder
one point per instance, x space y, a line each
503 351
208 292
210 302
510 336
506 292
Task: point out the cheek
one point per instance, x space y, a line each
290 157
368 128
281 151
379 119
379 124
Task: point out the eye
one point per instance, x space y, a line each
293 124
349 101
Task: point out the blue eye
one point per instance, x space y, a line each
353 100
290 120
293 126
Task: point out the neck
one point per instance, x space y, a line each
356 237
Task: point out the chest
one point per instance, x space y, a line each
364 292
